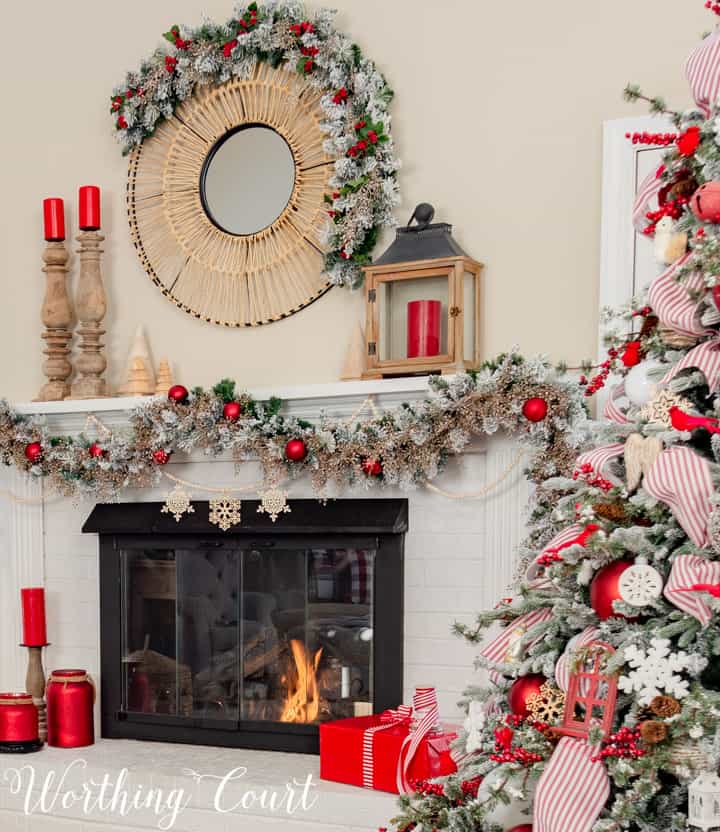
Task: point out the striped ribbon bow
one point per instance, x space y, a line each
427 717
612 411
703 72
599 458
672 303
402 715
681 479
687 583
706 357
646 193
572 790
502 649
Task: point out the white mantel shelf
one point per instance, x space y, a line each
307 401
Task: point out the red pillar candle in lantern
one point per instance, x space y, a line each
18 722
70 700
54 219
89 208
423 328
33 610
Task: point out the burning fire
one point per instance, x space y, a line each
302 703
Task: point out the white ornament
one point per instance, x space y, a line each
178 503
704 801
642 382
273 502
655 671
640 584
225 512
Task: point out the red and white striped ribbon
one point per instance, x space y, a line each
427 717
706 357
389 718
564 663
686 571
672 303
646 193
611 411
702 70
499 648
599 458
681 479
572 790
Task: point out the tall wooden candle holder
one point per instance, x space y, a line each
91 306
56 315
35 684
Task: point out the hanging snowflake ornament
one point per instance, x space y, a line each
273 502
547 705
657 411
655 671
640 584
178 503
225 511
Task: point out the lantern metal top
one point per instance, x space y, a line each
424 241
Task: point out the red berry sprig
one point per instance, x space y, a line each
425 788
714 7
622 745
341 96
673 208
662 139
587 473
597 382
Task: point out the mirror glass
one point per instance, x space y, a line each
247 180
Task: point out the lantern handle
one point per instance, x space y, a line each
423 216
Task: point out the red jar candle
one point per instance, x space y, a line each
89 208
70 699
33 611
18 723
423 328
54 219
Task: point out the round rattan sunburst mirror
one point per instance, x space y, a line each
234 275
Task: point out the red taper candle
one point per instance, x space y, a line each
89 207
423 328
54 217
33 610
70 699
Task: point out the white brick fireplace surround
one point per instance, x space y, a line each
459 559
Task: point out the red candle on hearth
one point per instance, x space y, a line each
89 208
33 610
18 719
54 217
70 700
423 328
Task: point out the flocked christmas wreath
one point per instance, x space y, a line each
355 104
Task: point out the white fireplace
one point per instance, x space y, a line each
459 558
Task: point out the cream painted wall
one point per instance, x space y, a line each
497 119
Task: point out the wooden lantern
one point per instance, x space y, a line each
423 303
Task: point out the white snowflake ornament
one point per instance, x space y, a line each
640 584
655 671
225 511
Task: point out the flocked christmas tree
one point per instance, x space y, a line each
602 711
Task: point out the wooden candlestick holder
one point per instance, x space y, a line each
35 684
91 305
56 315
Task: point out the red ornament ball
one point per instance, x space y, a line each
34 452
96 451
523 827
232 411
535 409
372 467
705 202
177 393
522 689
295 450
161 457
605 589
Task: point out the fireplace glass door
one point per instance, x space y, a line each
245 635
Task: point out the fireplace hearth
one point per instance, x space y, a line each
251 637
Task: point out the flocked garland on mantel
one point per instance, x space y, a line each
407 447
355 105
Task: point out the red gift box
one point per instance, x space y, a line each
381 752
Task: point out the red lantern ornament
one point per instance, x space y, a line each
232 411
705 202
178 394
295 450
34 452
96 451
535 409
605 588
522 689
632 354
161 457
372 467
